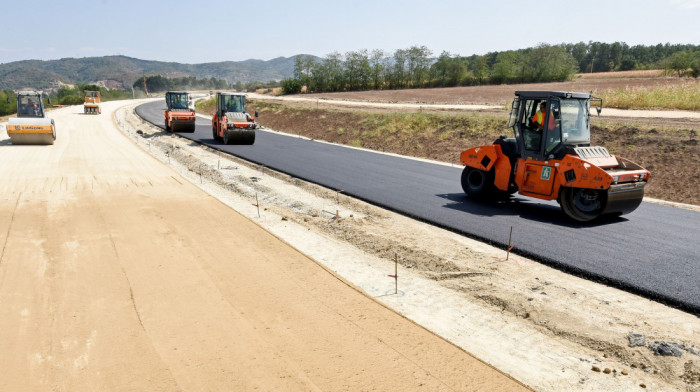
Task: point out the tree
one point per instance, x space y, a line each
302 69
505 70
418 64
681 63
291 86
377 64
548 63
332 72
357 70
398 77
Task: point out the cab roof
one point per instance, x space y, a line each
547 94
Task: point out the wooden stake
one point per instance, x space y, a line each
396 274
257 204
510 247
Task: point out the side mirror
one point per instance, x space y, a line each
256 114
50 101
8 100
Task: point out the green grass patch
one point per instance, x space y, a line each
205 105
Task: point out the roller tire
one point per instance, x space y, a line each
582 205
477 183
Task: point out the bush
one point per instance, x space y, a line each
7 108
291 86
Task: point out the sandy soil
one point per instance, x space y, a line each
547 329
116 273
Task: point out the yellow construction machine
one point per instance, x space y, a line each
31 126
92 102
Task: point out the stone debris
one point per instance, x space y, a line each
636 339
668 349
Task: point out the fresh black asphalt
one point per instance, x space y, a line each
654 251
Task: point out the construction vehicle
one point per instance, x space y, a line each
31 126
179 115
92 102
231 123
552 159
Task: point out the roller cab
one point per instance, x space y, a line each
231 124
31 126
179 115
550 158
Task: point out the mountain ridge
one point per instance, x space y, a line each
119 71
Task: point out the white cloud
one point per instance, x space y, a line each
685 4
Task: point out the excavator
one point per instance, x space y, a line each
231 123
91 104
551 158
180 114
31 126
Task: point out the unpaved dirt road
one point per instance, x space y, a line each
118 274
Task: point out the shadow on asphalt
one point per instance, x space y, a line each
521 207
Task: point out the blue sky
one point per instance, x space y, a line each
199 31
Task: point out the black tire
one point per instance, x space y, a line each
213 133
581 204
167 127
477 183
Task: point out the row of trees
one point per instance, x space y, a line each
415 67
66 95
618 56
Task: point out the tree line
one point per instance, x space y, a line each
66 95
415 67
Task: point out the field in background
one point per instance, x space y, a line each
624 90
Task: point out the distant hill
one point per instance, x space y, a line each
121 71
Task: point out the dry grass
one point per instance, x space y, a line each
684 96
647 73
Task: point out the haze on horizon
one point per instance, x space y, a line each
214 30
